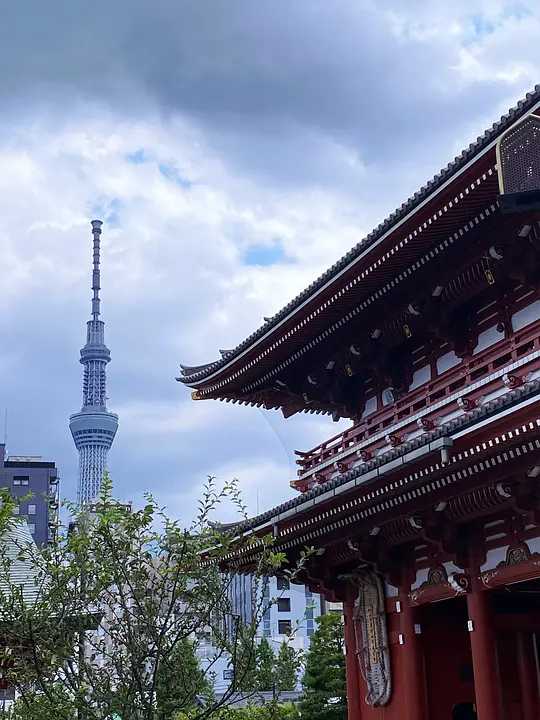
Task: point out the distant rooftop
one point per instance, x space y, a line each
22 461
25 458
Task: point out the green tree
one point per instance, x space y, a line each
269 711
109 609
244 661
180 681
287 667
324 685
265 666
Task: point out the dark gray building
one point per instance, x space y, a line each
31 475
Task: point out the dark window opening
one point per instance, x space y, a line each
283 583
284 627
284 604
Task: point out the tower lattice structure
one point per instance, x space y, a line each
94 427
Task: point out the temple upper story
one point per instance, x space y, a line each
431 317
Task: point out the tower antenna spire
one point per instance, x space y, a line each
96 278
94 427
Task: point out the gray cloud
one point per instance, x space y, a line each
368 75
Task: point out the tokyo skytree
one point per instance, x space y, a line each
94 427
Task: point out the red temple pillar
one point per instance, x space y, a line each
413 661
354 698
487 684
528 676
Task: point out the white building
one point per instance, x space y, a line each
288 614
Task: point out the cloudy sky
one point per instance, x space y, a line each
234 150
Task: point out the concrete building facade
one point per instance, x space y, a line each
35 481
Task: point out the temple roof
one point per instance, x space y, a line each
221 378
21 570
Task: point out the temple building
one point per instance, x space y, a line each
94 427
425 512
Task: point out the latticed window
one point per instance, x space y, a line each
519 157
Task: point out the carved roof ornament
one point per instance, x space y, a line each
440 581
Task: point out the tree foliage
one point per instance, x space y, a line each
245 662
115 608
265 666
287 667
269 711
325 696
179 680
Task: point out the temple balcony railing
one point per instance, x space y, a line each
489 373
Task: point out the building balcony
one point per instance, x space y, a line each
477 379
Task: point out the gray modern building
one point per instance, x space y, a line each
35 481
94 427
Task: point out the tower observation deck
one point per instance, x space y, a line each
94 427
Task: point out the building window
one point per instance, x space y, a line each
310 632
21 480
283 583
284 627
284 604
31 509
204 636
31 528
228 674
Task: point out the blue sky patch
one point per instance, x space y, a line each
482 25
138 157
265 255
108 210
173 174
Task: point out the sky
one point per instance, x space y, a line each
234 150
